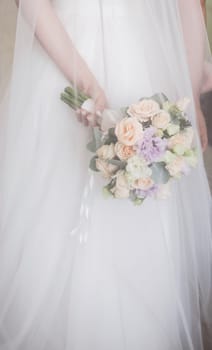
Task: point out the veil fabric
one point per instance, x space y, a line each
76 271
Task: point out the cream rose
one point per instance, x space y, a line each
175 168
121 189
106 152
180 142
144 110
137 168
161 120
129 131
124 152
105 168
173 129
144 183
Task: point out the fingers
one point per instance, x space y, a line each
204 142
100 103
86 118
203 137
91 119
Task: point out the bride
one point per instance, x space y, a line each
78 272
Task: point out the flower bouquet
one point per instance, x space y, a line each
141 148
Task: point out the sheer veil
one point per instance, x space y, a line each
173 31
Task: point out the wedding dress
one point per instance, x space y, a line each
77 271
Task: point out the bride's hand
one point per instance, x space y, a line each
97 94
202 129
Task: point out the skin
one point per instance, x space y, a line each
201 119
203 5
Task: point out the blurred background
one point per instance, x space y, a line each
8 14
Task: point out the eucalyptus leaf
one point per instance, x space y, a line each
111 184
91 146
119 163
111 137
97 137
96 141
92 164
160 98
160 174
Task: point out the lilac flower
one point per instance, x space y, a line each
151 147
148 193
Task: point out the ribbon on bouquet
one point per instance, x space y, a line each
85 212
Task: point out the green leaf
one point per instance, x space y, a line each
160 174
92 164
160 98
106 192
185 123
111 137
96 141
119 163
138 201
97 137
91 146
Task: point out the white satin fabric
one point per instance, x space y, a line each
110 276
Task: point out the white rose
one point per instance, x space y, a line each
144 110
106 169
121 189
181 142
191 158
173 129
106 152
175 168
137 168
189 132
161 120
167 105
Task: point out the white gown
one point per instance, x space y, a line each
129 278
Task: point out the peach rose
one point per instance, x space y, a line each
181 140
124 152
129 131
176 167
106 169
121 189
106 152
144 110
144 183
161 120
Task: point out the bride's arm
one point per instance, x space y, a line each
195 41
194 35
59 46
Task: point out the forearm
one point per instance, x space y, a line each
203 4
194 36
56 42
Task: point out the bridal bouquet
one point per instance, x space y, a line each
139 149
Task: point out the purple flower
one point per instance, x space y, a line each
151 147
148 193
